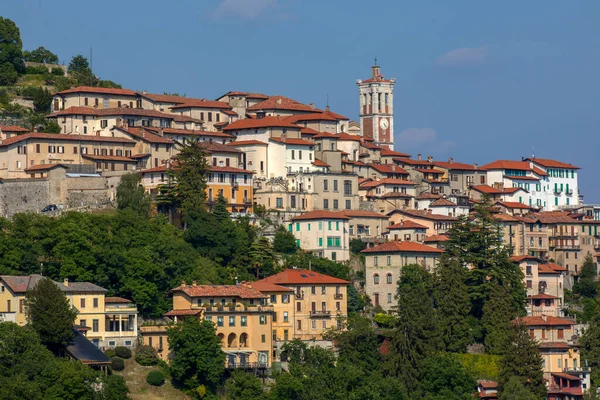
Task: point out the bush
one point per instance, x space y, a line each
117 363
58 71
146 356
110 353
123 352
8 74
30 91
155 378
35 70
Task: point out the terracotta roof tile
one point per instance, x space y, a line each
214 147
407 224
542 296
310 117
231 170
44 167
64 136
302 277
424 215
266 122
145 135
13 128
319 163
282 103
188 132
20 284
436 238
309 131
521 178
392 153
441 202
267 287
547 163
514 205
320 214
294 141
247 143
388 169
554 345
404 247
508 164
545 321
455 166
116 300
201 103
386 181
363 214
428 195
93 89
241 291
108 158
181 313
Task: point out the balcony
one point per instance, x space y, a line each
247 201
320 314
566 246
338 296
246 365
240 308
299 295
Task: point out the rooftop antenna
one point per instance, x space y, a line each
327 99
532 152
375 61
91 67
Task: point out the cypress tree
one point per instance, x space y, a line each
590 350
497 316
452 305
415 338
522 361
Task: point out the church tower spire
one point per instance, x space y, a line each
377 108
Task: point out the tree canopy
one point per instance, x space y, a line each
132 195
40 55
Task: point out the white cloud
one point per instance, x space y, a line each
248 9
464 56
425 140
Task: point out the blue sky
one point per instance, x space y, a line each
476 81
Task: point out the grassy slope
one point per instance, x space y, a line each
135 377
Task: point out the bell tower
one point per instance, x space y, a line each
377 108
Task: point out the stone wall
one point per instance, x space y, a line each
23 195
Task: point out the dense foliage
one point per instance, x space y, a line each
123 352
29 371
146 356
155 378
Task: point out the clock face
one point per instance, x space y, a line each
384 124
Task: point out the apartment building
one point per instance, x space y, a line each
387 194
241 316
30 149
324 233
318 303
436 223
407 231
106 321
566 375
93 97
240 101
383 266
7 131
282 106
461 176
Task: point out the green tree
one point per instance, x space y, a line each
444 378
476 241
515 390
453 305
11 46
197 355
40 55
522 361
131 194
498 314
190 174
51 127
358 345
284 241
590 349
261 256
356 301
357 245
587 285
42 101
50 314
244 386
108 84
80 70
8 74
415 337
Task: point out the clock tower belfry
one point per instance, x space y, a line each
377 108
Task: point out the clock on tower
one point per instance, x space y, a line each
377 108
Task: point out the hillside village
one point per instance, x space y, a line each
346 197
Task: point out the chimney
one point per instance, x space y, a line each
182 283
66 282
544 317
475 165
160 132
430 158
327 109
260 114
193 283
35 128
450 160
119 123
429 211
312 106
144 92
418 156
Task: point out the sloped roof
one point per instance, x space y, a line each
293 141
403 247
266 122
310 117
202 103
113 300
214 147
455 166
242 291
386 181
392 153
20 284
424 214
83 350
143 134
407 224
247 143
320 214
267 287
188 132
64 136
514 205
441 202
319 163
45 167
436 238
548 163
282 103
388 169
13 128
545 321
363 214
302 277
99 90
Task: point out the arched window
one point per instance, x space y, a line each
388 278
244 340
376 279
232 340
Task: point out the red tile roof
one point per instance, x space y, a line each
302 277
408 224
188 132
108 158
310 117
507 164
392 153
455 165
545 321
92 89
363 214
554 345
512 190
267 287
123 111
162 168
370 146
202 103
566 376
242 291
266 122
404 247
64 136
320 214
428 195
181 313
319 163
326 135
13 128
424 215
542 296
441 202
522 178
429 171
247 95
514 205
282 103
230 113
436 238
143 134
488 384
231 170
547 163
20 284
44 167
524 257
347 136
309 131
297 142
246 143
214 147
388 169
116 300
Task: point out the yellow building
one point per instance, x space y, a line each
319 302
108 321
240 313
562 365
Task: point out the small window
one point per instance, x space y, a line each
376 279
388 278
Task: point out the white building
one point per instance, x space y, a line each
324 233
